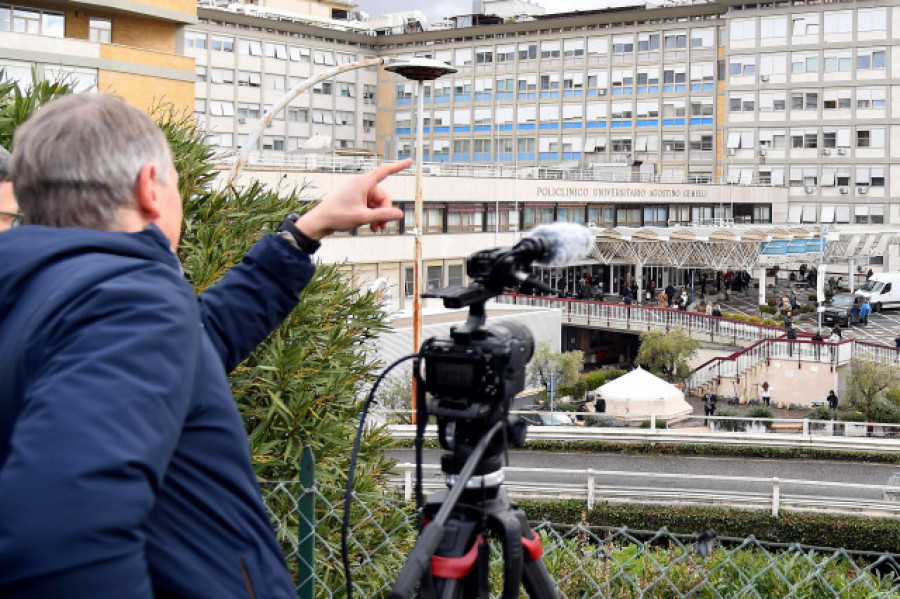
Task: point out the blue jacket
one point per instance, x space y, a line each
865 310
124 463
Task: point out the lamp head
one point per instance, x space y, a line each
419 69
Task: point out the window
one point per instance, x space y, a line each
278 51
220 108
805 24
200 71
623 44
323 57
836 99
342 117
192 39
222 44
550 49
804 62
248 111
801 138
838 22
434 274
249 79
742 65
838 61
463 218
872 19
221 76
870 97
346 90
275 82
743 29
675 40
528 51
100 30
323 88
368 94
870 60
627 216
772 27
870 138
299 54
297 115
702 38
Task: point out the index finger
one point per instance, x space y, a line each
386 170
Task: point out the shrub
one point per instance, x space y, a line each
767 309
754 319
812 297
852 417
819 413
769 321
565 406
733 426
771 303
659 424
594 379
883 410
759 412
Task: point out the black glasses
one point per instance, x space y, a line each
15 218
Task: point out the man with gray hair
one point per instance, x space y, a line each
124 465
9 210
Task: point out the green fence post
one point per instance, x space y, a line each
306 516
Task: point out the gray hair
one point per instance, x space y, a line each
76 161
5 165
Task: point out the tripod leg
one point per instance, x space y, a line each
538 582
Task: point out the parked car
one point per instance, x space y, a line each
882 289
548 419
843 309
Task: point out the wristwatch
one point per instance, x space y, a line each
288 231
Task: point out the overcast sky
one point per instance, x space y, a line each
435 11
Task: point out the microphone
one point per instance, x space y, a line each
556 244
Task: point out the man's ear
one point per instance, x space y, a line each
145 193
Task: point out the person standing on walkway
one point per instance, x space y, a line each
670 295
788 321
864 312
766 393
832 400
709 406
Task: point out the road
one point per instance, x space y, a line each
806 470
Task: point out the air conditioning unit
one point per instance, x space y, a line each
844 190
826 152
763 78
842 151
809 189
862 189
242 119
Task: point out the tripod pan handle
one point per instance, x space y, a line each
418 561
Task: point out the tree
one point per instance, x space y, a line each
667 353
872 390
546 362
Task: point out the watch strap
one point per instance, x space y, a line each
299 239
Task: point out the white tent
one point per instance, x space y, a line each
638 394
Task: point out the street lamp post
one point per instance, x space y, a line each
287 99
419 70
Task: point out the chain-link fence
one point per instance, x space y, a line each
585 561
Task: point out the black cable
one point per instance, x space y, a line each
345 528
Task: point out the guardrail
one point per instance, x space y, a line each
681 489
645 318
350 164
801 433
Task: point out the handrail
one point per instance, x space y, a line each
760 341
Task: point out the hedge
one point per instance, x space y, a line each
821 530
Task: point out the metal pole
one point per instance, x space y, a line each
287 99
417 253
306 533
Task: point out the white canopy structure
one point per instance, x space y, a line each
638 394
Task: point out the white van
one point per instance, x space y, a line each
882 290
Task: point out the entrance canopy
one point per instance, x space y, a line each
739 246
638 394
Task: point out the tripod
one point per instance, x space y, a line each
450 559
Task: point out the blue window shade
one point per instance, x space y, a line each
549 126
549 156
680 88
461 158
462 129
593 92
442 100
426 129
648 123
504 95
426 100
504 127
596 125
708 87
549 94
572 125
571 155
696 87
441 158
573 93
402 130
482 127
621 91
526 126
696 121
442 129
528 96
526 155
463 97
667 122
404 101
617 124
668 88
482 97
707 122
652 89
403 156
504 156
482 156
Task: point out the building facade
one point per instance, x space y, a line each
134 49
